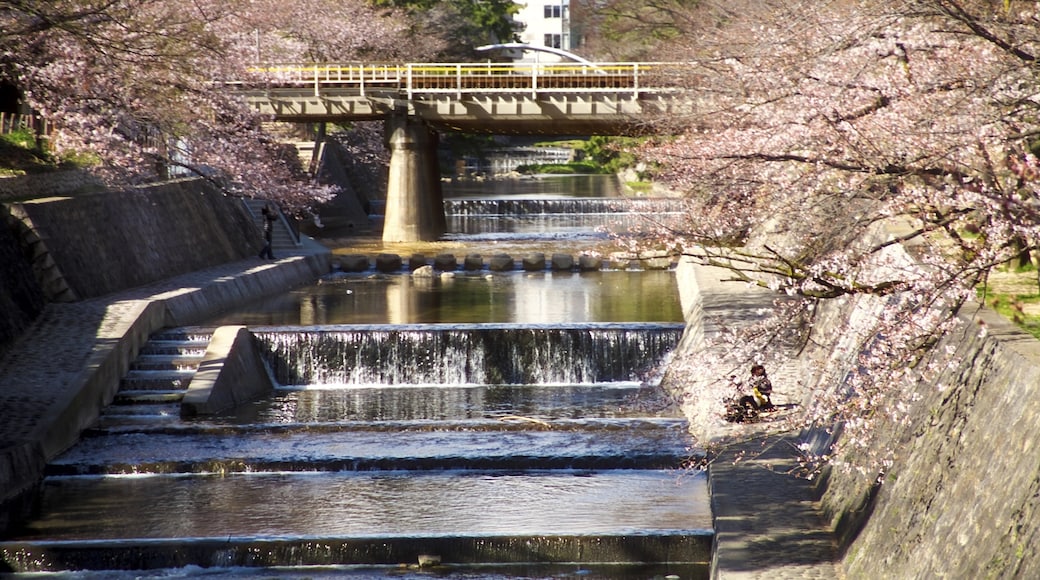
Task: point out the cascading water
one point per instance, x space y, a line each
565 216
467 354
518 448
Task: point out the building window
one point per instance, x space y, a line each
553 11
554 40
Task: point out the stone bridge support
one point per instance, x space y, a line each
414 201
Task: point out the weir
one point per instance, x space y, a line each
590 216
594 205
518 448
483 354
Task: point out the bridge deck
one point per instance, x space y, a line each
601 98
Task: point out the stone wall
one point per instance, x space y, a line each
21 299
961 497
96 244
49 184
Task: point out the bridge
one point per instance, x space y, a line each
417 101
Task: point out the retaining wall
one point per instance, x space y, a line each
21 298
96 244
961 497
48 184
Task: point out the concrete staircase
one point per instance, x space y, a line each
284 239
157 381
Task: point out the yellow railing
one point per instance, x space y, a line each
416 79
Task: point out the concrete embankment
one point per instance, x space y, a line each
959 498
67 364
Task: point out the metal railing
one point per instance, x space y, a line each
415 80
11 122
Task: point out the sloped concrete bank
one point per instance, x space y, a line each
60 373
95 244
961 497
232 372
57 374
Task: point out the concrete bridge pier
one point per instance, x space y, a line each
414 201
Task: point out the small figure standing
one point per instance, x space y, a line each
269 216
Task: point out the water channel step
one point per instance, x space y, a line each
530 475
166 362
151 391
393 517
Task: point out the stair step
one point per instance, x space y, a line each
152 380
172 347
160 362
148 396
148 411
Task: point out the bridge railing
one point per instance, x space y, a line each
414 80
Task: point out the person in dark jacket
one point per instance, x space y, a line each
270 215
761 387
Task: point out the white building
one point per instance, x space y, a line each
545 23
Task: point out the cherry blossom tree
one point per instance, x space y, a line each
826 138
131 81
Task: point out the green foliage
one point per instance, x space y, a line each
20 154
23 138
611 153
573 168
494 17
1016 308
467 144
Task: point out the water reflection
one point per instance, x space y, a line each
383 504
521 297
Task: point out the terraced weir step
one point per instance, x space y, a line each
332 478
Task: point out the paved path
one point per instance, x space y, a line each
767 524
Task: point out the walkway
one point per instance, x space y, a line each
767 522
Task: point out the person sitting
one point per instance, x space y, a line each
761 388
747 407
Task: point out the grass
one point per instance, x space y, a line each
573 168
19 155
1015 295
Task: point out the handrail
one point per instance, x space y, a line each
413 79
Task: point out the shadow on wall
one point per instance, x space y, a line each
92 245
21 298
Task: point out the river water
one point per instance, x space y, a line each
509 423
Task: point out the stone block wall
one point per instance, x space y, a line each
961 499
962 495
21 299
96 244
49 184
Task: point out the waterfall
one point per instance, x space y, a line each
593 205
472 354
588 215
